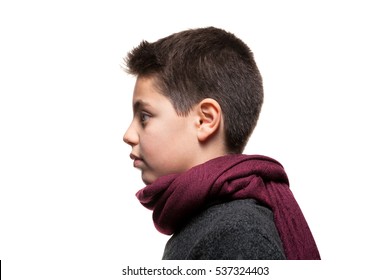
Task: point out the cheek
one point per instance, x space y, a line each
154 144
167 150
151 145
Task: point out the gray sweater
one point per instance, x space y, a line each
240 229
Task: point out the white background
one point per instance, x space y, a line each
67 204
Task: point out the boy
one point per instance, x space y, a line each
196 101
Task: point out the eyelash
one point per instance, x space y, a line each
144 117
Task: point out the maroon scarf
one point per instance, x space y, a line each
176 198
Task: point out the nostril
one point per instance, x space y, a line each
128 141
130 138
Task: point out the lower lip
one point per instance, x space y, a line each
137 163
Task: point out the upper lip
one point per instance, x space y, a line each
134 157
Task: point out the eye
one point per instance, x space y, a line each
144 117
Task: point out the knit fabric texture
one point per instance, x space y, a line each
235 230
177 198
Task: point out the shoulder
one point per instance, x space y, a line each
240 229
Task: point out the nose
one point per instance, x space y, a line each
131 136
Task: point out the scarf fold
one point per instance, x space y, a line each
176 198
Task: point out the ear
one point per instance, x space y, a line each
209 118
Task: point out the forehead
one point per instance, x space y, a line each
144 90
146 94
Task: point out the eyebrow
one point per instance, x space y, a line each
139 104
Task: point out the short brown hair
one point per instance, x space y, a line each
195 64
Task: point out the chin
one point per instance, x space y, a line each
148 179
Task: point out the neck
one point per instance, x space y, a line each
208 153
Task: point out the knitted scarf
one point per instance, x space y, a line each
176 198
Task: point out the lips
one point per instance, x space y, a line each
137 161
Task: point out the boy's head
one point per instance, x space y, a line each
205 74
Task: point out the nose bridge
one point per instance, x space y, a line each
131 135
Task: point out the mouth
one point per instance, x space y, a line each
137 161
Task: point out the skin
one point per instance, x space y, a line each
165 143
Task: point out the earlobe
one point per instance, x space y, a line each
210 118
